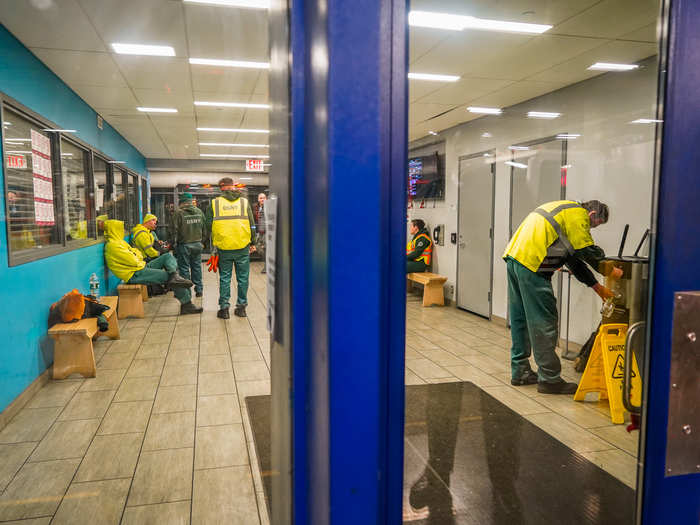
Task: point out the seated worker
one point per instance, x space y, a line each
144 238
555 234
420 249
127 263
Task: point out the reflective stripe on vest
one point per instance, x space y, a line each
133 241
230 227
427 253
563 239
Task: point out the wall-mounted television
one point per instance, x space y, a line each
426 178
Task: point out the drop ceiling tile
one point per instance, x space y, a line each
156 22
208 117
113 97
423 39
464 91
256 119
176 130
611 18
420 112
59 24
165 73
180 100
417 89
225 33
517 92
262 86
81 67
225 80
643 34
183 151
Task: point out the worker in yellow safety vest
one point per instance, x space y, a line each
419 250
231 222
555 234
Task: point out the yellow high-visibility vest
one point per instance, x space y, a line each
427 253
549 235
231 227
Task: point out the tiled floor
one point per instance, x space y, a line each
161 434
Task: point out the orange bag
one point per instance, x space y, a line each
69 308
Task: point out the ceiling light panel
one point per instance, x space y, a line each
543 114
233 145
229 63
143 49
231 105
646 121
157 110
432 77
460 22
570 136
486 111
609 66
235 130
251 4
232 156
516 164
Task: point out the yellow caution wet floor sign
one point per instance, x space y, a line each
606 369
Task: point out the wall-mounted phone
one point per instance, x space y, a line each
453 238
439 235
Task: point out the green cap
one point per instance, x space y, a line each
186 197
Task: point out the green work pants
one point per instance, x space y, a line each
189 263
227 260
415 266
158 271
533 323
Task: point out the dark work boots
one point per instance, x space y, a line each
223 314
177 281
528 379
560 387
240 311
189 308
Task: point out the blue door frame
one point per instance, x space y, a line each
674 499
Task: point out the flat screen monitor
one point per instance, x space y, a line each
426 178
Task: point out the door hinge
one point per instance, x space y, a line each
489 296
490 233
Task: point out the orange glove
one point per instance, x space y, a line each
215 265
210 262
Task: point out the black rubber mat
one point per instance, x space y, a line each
469 459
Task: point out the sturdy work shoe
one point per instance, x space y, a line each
557 388
264 270
198 294
223 314
528 379
178 281
240 311
427 490
189 308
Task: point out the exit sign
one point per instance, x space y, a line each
253 165
17 161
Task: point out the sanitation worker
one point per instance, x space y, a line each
232 224
188 230
419 250
144 238
126 262
555 234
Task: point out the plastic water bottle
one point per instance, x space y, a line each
95 286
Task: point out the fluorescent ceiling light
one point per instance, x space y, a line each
516 164
486 135
488 111
7 123
226 155
60 130
231 104
432 77
229 63
518 148
568 135
116 162
432 133
543 114
8 139
609 66
17 152
245 178
229 145
142 49
461 22
645 121
253 4
566 166
157 110
235 130
488 154
66 154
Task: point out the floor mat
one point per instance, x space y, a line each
469 459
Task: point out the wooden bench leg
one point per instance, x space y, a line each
130 304
433 294
144 292
113 330
73 354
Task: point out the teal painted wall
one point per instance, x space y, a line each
28 290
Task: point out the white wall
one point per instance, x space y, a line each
612 161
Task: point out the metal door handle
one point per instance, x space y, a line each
627 378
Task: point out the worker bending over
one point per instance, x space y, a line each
555 234
144 238
232 224
126 262
419 250
188 231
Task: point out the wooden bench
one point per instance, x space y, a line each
73 342
131 300
144 292
432 287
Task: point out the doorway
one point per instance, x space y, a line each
477 183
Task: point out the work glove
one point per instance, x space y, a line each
213 262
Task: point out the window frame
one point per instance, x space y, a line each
8 103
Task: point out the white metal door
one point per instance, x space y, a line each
475 245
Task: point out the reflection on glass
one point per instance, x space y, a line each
74 176
133 200
101 191
118 202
